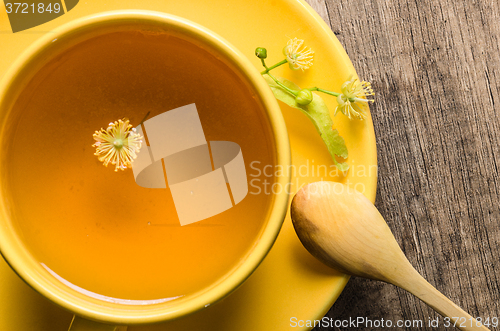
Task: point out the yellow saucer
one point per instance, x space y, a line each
290 286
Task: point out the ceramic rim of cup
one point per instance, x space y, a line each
30 270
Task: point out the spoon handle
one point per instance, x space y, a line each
419 287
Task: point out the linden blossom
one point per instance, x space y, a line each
352 101
118 144
309 169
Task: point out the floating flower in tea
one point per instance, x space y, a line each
118 144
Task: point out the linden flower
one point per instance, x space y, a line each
352 101
298 56
118 144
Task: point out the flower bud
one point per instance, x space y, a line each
304 97
261 52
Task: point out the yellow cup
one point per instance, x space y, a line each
91 313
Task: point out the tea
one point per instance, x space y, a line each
96 228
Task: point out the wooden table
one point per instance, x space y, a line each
435 67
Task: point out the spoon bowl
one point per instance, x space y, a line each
344 230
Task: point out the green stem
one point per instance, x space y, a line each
264 64
272 67
335 94
292 92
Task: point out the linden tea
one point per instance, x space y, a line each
97 229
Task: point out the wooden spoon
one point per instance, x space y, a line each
344 230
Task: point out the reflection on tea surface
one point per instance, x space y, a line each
98 229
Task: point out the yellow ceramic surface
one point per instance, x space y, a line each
11 246
290 284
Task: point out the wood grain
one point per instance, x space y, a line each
435 67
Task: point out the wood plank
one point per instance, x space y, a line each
435 67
